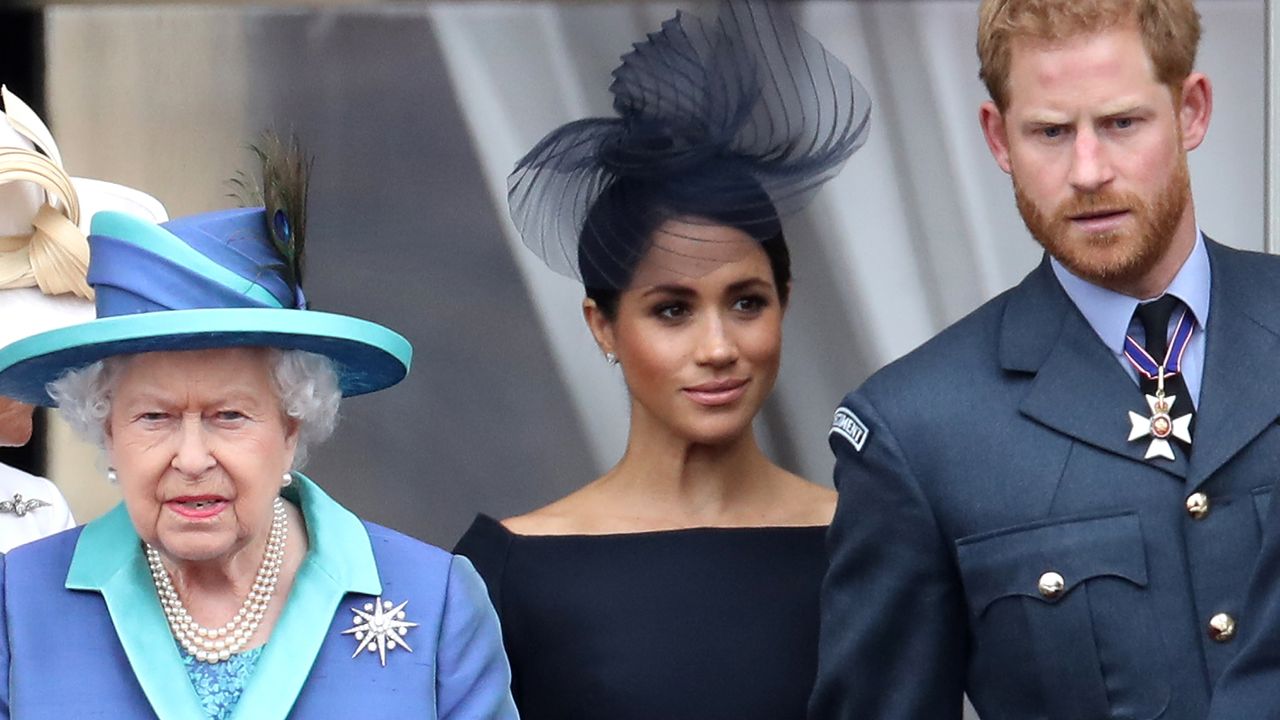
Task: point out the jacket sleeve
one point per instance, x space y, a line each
892 644
1250 685
4 644
473 680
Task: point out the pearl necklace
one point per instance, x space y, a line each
214 645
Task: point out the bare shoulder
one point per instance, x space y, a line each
808 502
570 515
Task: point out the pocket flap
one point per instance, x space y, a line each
1014 561
1262 503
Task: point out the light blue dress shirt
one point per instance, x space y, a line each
1110 313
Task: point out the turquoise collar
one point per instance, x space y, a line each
109 560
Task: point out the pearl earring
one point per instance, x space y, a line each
111 476
287 480
611 358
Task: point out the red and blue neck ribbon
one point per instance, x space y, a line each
1147 365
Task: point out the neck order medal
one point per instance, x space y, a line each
1160 426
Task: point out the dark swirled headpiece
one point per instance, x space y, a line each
734 121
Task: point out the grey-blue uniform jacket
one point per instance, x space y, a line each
1250 687
998 534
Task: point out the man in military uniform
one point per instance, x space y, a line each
1055 504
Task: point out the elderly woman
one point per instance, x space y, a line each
227 584
44 217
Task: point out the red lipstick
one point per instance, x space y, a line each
197 507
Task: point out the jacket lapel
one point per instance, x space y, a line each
1079 388
286 660
1242 361
108 559
340 560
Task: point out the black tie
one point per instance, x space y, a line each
1154 317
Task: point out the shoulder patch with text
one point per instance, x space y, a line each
848 426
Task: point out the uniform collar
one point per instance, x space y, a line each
1109 313
108 559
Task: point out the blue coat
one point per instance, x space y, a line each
1250 687
997 454
83 635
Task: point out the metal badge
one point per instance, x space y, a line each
20 507
1160 426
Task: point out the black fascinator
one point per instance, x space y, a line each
734 121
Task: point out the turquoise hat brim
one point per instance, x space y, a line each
368 356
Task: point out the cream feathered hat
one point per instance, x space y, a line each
44 223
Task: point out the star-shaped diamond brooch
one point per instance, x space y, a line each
380 627
1160 427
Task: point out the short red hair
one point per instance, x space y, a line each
1170 32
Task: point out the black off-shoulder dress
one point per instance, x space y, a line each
697 624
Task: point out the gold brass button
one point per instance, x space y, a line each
1222 627
1052 585
1197 505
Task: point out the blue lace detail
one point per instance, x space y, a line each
219 685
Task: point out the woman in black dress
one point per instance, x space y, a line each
683 583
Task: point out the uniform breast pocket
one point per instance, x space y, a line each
1062 620
1262 505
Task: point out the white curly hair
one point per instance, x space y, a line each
305 383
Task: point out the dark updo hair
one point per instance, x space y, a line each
621 225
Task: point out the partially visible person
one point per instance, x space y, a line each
44 254
683 583
227 584
1055 504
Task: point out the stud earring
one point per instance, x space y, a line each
111 476
287 480
611 358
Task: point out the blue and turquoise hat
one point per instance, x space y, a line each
206 281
